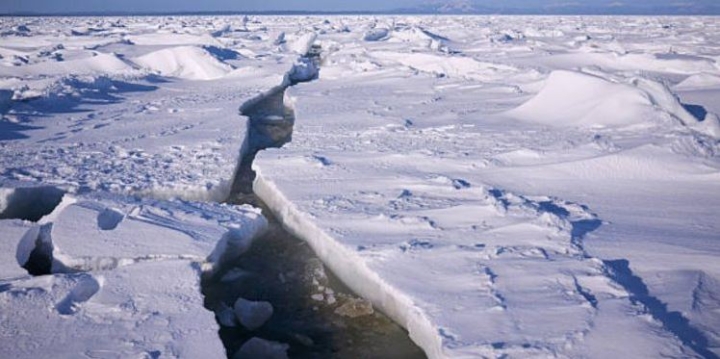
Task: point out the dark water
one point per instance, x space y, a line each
314 313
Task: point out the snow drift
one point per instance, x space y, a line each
186 62
578 99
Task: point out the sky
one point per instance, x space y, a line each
60 6
52 6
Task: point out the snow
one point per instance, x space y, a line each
572 99
499 186
121 312
506 209
13 230
100 295
185 62
116 242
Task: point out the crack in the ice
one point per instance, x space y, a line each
310 323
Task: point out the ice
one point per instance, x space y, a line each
415 182
499 186
354 308
261 348
252 315
302 44
124 311
118 270
699 81
376 34
12 232
187 62
87 235
577 99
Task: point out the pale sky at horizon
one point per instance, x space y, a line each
55 6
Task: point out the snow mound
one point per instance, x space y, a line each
187 62
579 99
699 81
572 98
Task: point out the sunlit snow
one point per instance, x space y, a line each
499 186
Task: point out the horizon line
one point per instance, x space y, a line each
714 11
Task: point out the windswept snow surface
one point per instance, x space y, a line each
524 188
118 138
500 186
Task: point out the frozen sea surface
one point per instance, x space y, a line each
498 186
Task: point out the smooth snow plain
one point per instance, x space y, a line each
499 186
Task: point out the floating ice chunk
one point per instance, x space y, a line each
234 275
226 316
260 348
226 29
354 308
252 315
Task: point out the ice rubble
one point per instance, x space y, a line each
125 276
428 169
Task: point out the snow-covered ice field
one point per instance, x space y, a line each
499 186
